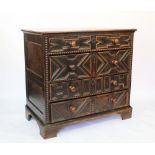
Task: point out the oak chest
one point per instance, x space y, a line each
75 76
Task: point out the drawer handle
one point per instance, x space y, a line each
72 67
115 41
72 108
122 85
114 62
59 93
72 89
114 100
114 82
73 43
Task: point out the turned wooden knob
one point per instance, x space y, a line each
72 67
114 62
72 108
73 43
114 100
114 82
72 89
116 41
122 85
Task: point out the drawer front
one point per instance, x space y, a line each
67 43
116 82
86 87
65 90
68 90
112 62
72 66
111 83
86 65
110 101
118 40
66 110
70 109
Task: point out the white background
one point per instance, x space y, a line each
16 15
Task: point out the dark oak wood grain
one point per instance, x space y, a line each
75 76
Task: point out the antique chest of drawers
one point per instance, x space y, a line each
76 76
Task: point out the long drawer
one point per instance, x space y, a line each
66 110
87 65
81 88
59 43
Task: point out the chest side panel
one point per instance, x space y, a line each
34 74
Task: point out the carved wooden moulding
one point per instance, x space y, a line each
76 76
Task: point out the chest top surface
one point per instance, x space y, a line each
75 30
